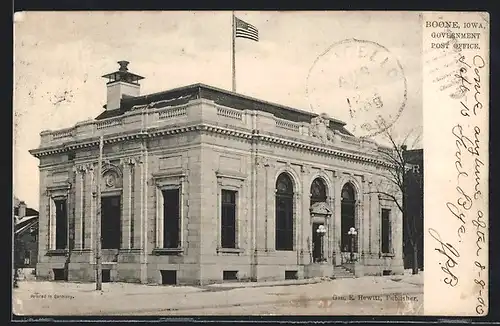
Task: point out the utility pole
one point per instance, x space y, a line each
98 255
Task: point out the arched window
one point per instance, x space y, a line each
318 191
348 213
284 213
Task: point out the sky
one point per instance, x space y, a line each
59 58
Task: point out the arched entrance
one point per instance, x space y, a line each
319 211
348 213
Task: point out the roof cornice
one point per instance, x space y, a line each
152 133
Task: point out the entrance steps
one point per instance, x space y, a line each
342 272
326 270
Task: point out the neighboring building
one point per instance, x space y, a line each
413 218
25 235
201 185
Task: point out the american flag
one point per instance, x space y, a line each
245 30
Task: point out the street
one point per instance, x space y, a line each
394 295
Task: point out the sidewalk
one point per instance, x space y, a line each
48 298
233 285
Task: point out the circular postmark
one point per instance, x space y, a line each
359 82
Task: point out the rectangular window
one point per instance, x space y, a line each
111 222
61 224
106 275
228 216
168 277
229 275
386 230
291 275
171 218
60 274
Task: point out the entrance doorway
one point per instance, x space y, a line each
316 243
111 222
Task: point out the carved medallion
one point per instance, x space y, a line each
110 180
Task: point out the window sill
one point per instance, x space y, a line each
230 250
388 255
81 250
57 252
129 251
167 251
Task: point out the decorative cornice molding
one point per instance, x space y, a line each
159 177
299 144
130 160
230 175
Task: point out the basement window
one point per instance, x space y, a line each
59 274
106 275
168 277
291 275
229 275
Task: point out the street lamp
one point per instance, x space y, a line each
321 232
352 234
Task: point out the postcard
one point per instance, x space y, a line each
265 163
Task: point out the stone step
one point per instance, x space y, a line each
342 272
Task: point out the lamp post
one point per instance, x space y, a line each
321 232
352 233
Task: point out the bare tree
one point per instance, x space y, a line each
397 183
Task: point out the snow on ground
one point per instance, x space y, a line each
65 298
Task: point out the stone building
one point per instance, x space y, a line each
25 235
201 185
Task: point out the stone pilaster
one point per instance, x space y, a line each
365 218
263 202
376 223
89 207
337 220
298 202
397 232
79 225
331 227
127 218
139 232
305 249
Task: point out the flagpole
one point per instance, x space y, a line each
233 54
98 217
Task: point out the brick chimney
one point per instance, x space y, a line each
22 210
121 84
